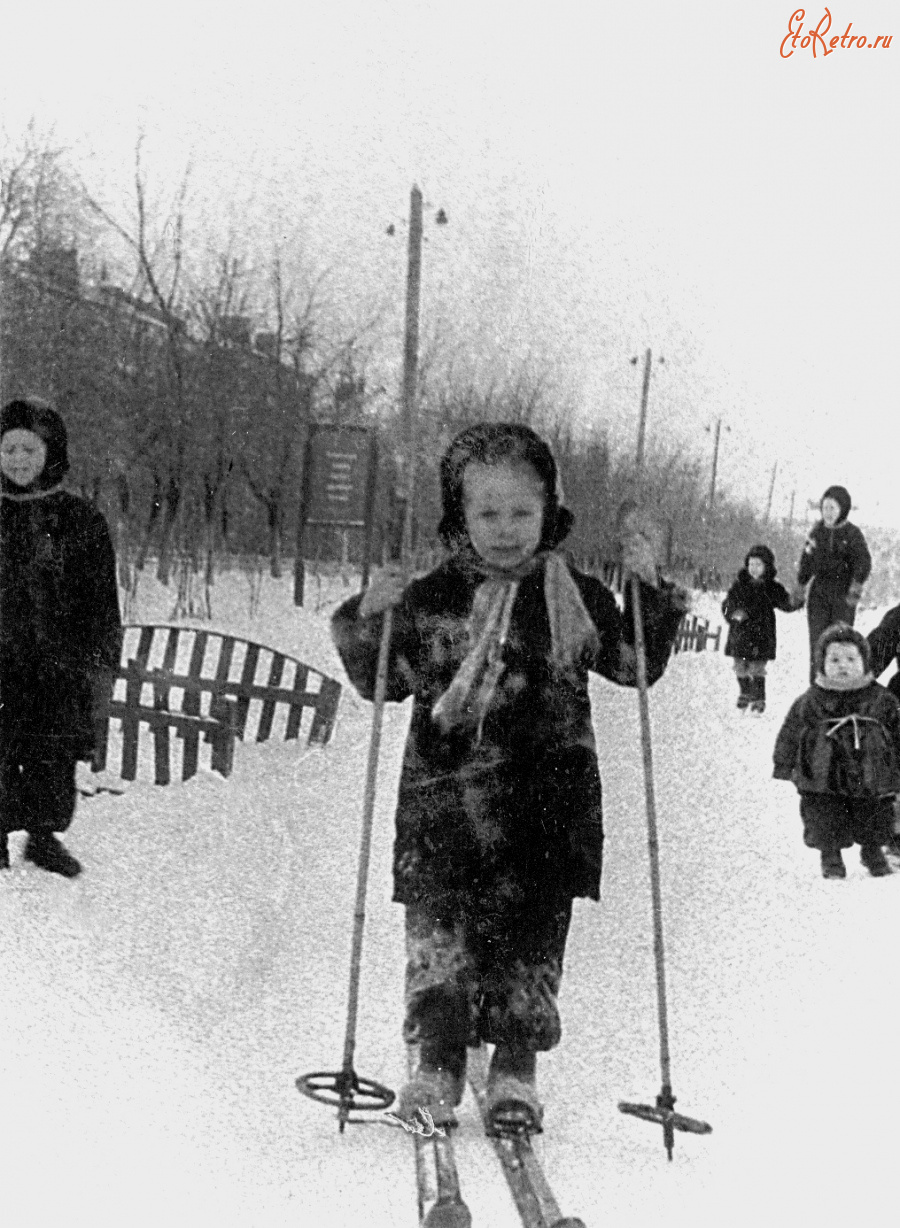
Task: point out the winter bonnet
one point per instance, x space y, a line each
842 633
765 555
841 497
492 443
37 416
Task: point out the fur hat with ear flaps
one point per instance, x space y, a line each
842 498
493 443
31 414
765 555
842 633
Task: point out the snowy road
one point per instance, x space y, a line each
155 1014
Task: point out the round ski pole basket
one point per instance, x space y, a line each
345 1090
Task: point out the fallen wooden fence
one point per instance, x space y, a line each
199 689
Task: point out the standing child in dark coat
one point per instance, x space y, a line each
837 561
749 609
840 745
499 821
60 633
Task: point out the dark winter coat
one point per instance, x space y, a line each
518 810
754 637
835 558
884 645
822 749
60 629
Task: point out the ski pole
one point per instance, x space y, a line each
664 1110
344 1087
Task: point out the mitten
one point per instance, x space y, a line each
854 592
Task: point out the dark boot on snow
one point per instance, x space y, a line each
47 851
744 696
512 1100
833 864
436 1087
758 695
873 858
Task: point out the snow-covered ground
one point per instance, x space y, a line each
156 1012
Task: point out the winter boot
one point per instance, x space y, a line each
4 851
46 851
513 1106
758 695
872 857
833 864
744 696
437 1085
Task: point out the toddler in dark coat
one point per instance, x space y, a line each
840 745
60 633
836 564
749 609
499 821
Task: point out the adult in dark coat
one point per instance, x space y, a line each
837 562
499 816
749 609
60 632
884 645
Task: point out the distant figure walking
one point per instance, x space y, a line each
749 609
60 633
835 563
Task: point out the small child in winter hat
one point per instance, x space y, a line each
840 745
832 679
749 609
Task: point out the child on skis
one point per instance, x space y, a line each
840 745
837 562
749 609
60 633
498 822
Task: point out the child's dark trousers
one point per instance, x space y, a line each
831 821
37 782
486 975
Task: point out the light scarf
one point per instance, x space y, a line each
844 684
469 696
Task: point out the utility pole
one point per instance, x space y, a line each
790 523
771 492
715 464
413 296
642 421
411 355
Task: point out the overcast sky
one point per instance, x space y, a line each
616 176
